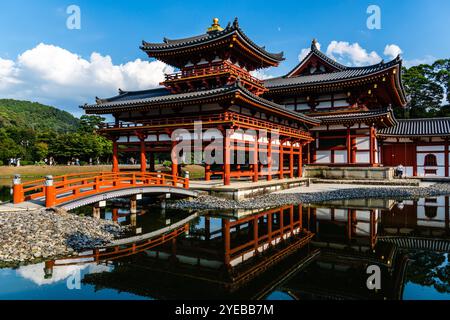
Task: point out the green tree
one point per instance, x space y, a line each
425 93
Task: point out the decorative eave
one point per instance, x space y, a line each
231 35
235 92
383 117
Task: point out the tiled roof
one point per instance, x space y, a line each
349 73
373 115
419 128
168 45
159 97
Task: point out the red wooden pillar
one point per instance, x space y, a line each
349 224
227 160
291 161
414 158
308 154
269 228
372 229
372 147
269 160
291 219
300 217
255 160
226 241
446 158
349 146
281 164
174 161
143 157
255 233
115 157
300 161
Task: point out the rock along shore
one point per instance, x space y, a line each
280 199
29 236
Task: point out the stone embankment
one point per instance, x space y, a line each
281 199
42 234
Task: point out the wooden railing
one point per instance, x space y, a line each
231 117
214 69
66 188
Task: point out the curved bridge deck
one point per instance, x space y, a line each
71 191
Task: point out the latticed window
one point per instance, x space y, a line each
430 160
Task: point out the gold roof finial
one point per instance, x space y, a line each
215 26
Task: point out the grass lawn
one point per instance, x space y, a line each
36 172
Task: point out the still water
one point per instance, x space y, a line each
289 253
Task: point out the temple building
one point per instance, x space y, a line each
321 114
214 86
352 103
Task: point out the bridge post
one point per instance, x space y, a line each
50 192
18 195
48 269
186 180
133 204
96 212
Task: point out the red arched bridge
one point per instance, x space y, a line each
75 190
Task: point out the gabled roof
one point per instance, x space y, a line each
141 100
339 76
427 127
317 53
211 38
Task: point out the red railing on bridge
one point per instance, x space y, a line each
70 187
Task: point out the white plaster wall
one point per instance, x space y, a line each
362 143
323 156
362 157
340 156
430 148
323 214
340 214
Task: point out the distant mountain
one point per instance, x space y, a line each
39 117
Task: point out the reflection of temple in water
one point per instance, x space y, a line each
306 252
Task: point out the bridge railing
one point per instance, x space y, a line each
66 188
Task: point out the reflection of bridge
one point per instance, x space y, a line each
128 246
74 190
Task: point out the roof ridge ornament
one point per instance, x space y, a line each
314 44
215 26
236 23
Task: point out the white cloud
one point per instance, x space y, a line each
392 51
54 75
415 62
351 53
261 74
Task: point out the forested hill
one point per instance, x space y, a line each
35 116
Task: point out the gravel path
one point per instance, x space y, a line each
36 235
284 198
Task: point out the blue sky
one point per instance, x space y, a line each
114 30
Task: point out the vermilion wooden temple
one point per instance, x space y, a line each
324 113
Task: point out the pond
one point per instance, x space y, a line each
287 253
